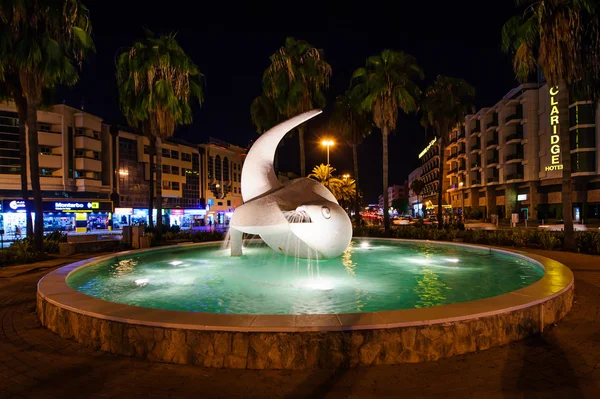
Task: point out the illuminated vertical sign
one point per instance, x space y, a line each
555 163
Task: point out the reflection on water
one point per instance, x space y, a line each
368 277
430 290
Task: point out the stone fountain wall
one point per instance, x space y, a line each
303 350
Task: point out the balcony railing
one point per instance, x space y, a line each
460 135
512 157
452 156
515 136
476 129
515 176
494 179
512 117
462 152
492 142
475 181
492 161
453 140
451 171
476 164
493 123
476 147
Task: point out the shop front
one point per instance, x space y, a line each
67 216
78 216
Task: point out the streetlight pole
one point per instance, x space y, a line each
327 143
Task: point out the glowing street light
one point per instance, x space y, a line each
327 143
346 176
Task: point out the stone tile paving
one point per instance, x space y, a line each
564 362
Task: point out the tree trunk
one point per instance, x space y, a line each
152 151
159 185
441 175
355 158
565 149
386 205
21 103
34 167
302 154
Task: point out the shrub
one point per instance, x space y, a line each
21 251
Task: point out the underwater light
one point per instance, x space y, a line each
364 244
141 282
320 285
176 263
453 260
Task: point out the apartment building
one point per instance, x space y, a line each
513 162
95 176
395 191
74 160
222 187
181 173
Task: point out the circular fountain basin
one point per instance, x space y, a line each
382 302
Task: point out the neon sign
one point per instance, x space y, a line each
555 134
427 148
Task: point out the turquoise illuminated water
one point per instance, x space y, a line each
370 276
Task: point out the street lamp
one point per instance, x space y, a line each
327 143
346 176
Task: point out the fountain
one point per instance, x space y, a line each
302 219
290 301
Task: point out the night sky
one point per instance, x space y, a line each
231 44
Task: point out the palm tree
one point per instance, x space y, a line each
44 41
386 85
561 37
295 81
157 82
445 104
324 175
352 122
417 187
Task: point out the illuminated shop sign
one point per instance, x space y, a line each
555 162
427 148
16 205
78 206
522 197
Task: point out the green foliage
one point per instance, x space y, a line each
587 241
20 252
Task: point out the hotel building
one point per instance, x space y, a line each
512 162
430 172
414 201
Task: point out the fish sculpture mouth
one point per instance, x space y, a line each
301 219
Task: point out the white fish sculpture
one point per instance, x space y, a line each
301 219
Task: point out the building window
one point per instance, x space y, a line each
45 172
175 185
147 149
96 175
581 114
166 185
175 170
166 153
79 132
186 157
583 137
96 155
80 174
210 167
79 153
45 150
166 169
228 202
174 154
583 161
220 203
218 167
183 171
225 169
96 135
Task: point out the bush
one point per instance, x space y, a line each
20 252
587 241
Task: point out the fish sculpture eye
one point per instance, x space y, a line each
326 212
